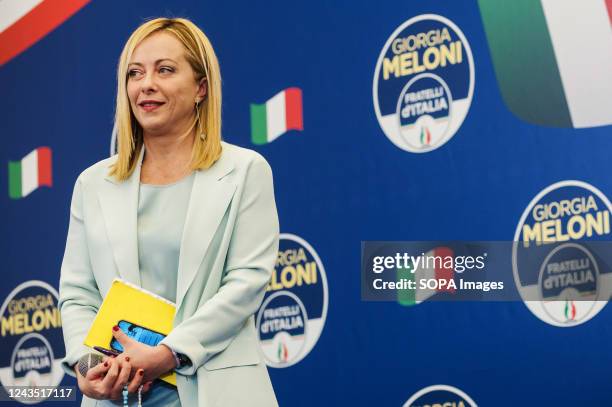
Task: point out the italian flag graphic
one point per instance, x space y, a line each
24 22
33 171
425 136
570 310
553 59
279 114
412 297
283 352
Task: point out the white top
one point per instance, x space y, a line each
162 210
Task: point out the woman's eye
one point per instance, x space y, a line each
132 73
166 69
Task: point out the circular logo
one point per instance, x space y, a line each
560 255
440 395
423 83
32 330
292 315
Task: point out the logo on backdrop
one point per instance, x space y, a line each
552 68
423 83
292 315
32 344
279 114
564 280
24 23
30 173
440 395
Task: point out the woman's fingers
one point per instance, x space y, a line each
98 370
122 378
111 375
116 375
136 381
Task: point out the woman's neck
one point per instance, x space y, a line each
167 158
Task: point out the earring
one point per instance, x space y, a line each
202 135
197 111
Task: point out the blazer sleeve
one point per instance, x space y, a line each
79 297
252 252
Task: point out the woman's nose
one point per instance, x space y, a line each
148 83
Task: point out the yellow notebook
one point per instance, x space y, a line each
125 301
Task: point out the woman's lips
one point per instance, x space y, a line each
150 106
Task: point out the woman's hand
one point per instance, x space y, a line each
154 360
107 379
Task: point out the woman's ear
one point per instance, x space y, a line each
201 95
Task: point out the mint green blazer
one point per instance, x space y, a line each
228 250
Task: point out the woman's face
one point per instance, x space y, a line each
161 86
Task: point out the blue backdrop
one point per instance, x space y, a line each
338 182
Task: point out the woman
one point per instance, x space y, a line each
179 213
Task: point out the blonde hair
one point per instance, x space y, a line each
207 121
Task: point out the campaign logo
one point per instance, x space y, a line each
292 315
568 283
423 83
30 173
560 256
25 22
552 59
440 395
31 334
279 114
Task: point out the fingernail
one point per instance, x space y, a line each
115 328
141 372
127 358
105 364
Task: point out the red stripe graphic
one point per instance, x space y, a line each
33 26
609 7
444 273
293 104
45 176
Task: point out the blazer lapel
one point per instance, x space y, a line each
119 202
210 197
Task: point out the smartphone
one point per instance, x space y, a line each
138 333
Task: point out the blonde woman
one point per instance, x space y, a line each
180 213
